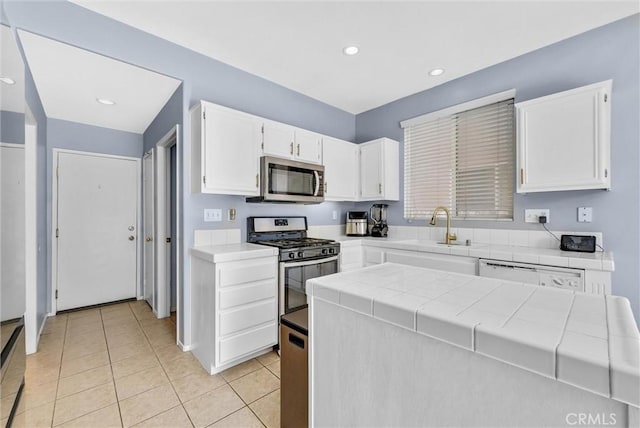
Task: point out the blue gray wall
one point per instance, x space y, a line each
11 127
609 52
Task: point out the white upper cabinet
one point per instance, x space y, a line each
278 139
225 150
308 146
379 170
291 143
341 169
564 140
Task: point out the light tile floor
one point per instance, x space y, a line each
118 366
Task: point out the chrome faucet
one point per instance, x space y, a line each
448 237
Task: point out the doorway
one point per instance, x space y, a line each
148 256
95 227
167 220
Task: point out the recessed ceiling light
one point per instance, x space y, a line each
350 50
436 72
105 101
7 80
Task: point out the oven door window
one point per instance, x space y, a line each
289 180
295 278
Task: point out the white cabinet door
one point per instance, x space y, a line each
278 139
370 171
229 149
308 146
379 170
563 140
341 169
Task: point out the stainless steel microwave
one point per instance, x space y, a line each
284 180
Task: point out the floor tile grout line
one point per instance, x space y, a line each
113 379
256 415
55 400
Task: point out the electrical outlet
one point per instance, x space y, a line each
334 215
585 214
212 215
531 215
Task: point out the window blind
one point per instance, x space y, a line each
463 161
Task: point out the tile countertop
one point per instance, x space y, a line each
232 252
600 260
589 341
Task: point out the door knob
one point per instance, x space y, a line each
131 228
131 238
149 239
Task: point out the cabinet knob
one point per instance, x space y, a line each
291 148
257 180
380 188
325 187
131 238
521 175
298 152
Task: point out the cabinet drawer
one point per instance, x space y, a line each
240 273
245 343
247 293
244 317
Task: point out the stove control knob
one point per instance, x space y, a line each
332 250
324 251
292 255
300 254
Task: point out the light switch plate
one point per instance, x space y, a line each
585 214
531 215
212 215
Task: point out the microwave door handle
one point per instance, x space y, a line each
317 179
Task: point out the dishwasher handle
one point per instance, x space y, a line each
505 266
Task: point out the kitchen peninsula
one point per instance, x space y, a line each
396 345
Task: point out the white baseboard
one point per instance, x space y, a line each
184 347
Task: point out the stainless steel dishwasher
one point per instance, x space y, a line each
294 367
547 276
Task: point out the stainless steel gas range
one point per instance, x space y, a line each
301 258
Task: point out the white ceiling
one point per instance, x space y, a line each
298 44
69 80
11 96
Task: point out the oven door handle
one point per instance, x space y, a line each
317 180
284 265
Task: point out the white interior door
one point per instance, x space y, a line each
12 232
97 229
148 209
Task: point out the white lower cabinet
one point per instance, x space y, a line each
456 264
350 258
235 310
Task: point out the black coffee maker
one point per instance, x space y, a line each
378 216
